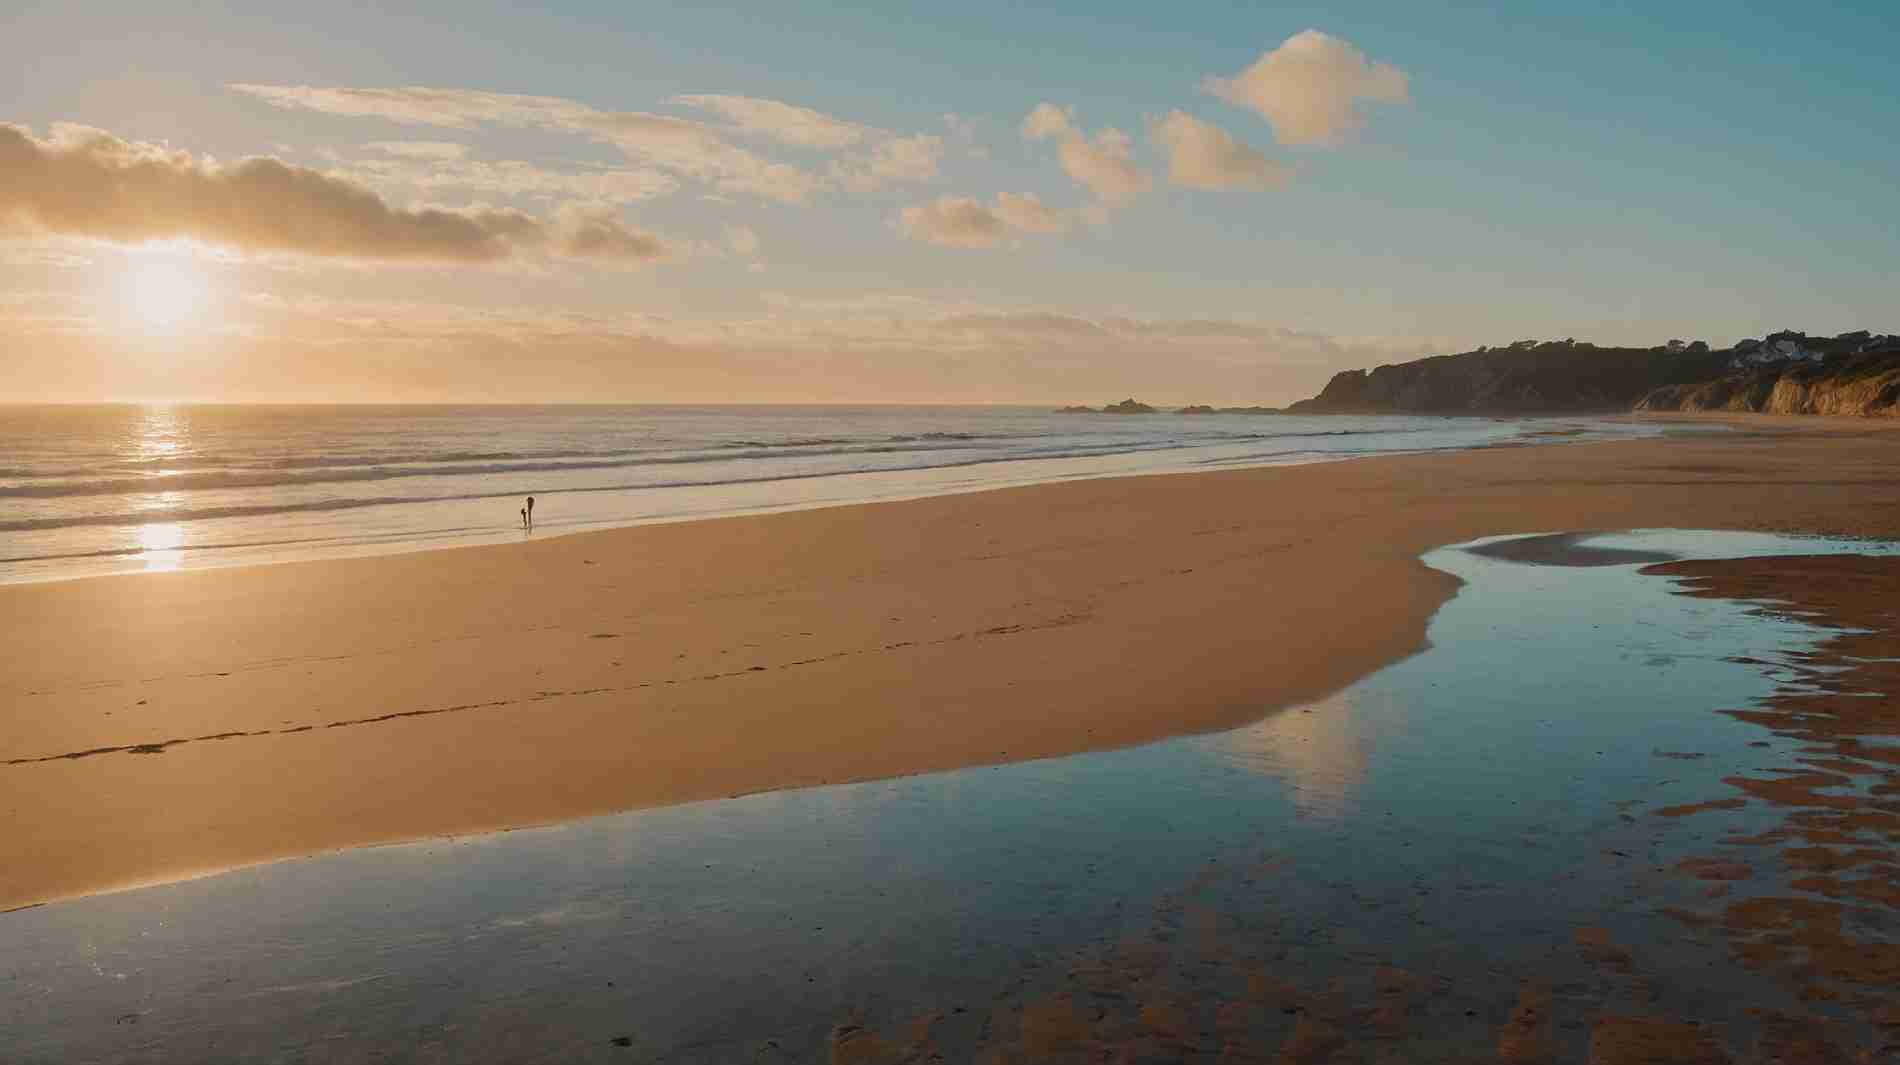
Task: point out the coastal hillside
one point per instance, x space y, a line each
1854 373
1863 383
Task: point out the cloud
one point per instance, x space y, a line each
960 222
586 232
1026 212
964 132
1203 156
1312 88
429 150
956 222
897 159
681 146
742 240
788 123
513 177
1047 120
1104 165
84 182
419 106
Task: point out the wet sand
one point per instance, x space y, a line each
1807 905
1826 939
157 726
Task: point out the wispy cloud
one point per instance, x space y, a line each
431 150
681 146
897 159
510 177
783 122
1312 88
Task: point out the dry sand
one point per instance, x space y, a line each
158 726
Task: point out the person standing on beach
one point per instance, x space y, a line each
530 512
524 517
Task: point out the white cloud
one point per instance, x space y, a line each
1047 120
1312 87
954 221
961 222
681 146
742 240
1026 212
784 122
587 232
512 177
964 132
1104 165
911 159
427 150
1204 156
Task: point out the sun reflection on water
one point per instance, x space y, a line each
160 432
160 545
1322 751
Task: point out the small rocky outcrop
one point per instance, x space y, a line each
1126 406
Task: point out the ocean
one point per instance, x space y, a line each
91 490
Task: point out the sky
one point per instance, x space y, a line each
882 202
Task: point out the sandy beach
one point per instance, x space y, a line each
159 726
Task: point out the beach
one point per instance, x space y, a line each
161 726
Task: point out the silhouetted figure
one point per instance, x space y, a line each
524 517
530 512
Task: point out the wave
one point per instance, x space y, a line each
233 479
302 472
158 515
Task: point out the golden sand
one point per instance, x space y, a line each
161 725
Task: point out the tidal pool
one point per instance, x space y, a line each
1458 855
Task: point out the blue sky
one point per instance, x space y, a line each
1622 173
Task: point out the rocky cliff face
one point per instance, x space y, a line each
1788 372
1525 377
1866 383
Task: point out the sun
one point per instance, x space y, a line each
164 295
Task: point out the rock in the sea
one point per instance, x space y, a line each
1126 406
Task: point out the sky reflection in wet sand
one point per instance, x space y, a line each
1456 855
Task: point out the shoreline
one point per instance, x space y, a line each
446 692
845 488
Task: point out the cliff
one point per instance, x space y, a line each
1866 383
1554 376
1788 370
